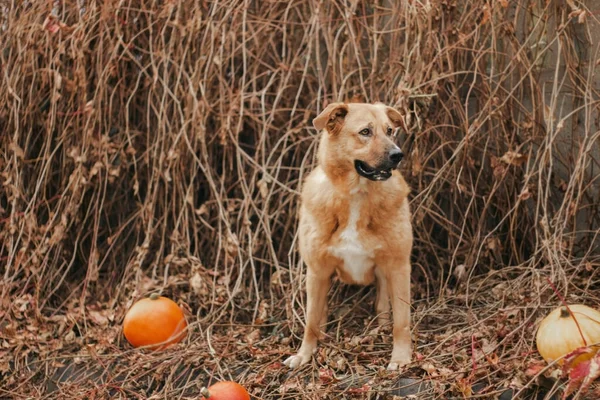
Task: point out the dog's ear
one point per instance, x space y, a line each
396 118
332 117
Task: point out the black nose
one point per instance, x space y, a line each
396 155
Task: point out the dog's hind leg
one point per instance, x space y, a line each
323 321
317 286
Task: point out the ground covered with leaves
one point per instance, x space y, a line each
470 343
161 146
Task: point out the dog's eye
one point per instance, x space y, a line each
390 131
365 132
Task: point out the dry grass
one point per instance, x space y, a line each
156 146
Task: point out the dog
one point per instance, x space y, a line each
355 221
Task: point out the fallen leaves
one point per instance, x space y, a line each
581 367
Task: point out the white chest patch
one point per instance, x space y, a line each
357 260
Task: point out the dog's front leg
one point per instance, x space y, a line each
382 302
399 289
317 287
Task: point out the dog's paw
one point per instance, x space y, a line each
296 361
395 365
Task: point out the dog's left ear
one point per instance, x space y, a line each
331 117
396 118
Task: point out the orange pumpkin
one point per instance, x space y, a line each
155 321
226 390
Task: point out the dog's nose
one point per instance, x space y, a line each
396 155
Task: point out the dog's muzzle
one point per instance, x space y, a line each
383 171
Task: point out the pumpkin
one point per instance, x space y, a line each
558 334
225 390
155 321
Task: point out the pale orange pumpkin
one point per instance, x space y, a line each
558 334
155 321
225 390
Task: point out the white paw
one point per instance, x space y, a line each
296 361
393 366
397 364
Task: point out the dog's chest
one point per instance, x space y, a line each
356 258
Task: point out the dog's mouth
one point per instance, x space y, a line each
374 174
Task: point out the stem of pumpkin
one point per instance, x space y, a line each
568 309
205 393
154 296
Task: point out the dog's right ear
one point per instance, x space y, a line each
332 118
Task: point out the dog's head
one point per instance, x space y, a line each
362 135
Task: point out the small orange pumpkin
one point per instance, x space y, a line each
225 390
155 321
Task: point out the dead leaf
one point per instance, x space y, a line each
263 187
534 369
98 318
464 387
459 272
514 158
486 15
563 186
494 243
17 150
253 336
580 373
288 386
429 368
499 169
70 336
363 389
199 285
588 266
525 194
263 312
326 375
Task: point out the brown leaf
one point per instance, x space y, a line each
525 194
253 336
430 369
98 318
17 150
514 158
263 312
464 387
263 187
588 266
486 15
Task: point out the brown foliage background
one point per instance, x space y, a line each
161 146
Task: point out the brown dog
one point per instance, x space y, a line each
355 220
